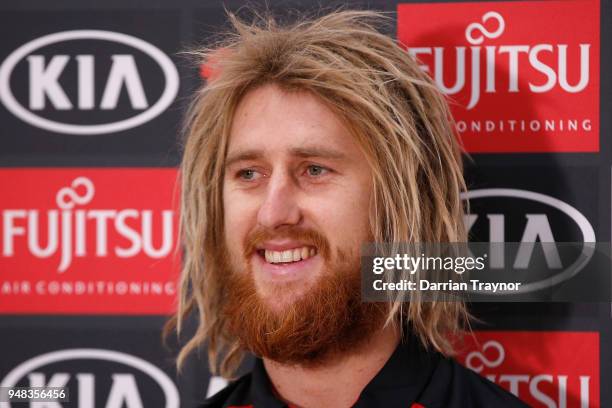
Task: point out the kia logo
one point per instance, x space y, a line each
103 94
124 389
538 228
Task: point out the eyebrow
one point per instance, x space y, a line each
301 152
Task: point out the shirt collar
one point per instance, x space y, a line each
399 383
403 378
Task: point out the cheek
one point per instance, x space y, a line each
344 218
236 222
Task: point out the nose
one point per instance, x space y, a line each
280 206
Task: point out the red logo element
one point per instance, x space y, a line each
210 69
88 241
544 369
516 83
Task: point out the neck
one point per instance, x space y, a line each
339 383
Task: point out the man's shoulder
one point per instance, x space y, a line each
450 386
453 385
484 391
233 395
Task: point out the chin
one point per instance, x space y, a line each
279 296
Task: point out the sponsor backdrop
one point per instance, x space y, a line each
91 100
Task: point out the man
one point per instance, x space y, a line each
307 141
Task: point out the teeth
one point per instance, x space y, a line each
287 256
290 255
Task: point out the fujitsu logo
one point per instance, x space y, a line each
493 355
477 34
69 227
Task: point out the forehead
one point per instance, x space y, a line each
271 119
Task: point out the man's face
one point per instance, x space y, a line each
296 194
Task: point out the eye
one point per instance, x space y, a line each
314 170
247 174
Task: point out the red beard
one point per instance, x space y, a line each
328 321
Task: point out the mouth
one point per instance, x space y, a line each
287 264
287 256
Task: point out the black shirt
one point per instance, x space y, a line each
411 378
